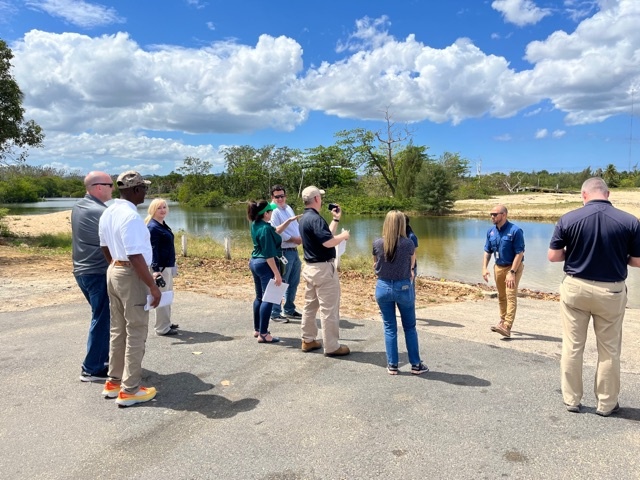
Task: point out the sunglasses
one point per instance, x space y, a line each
103 184
495 214
279 196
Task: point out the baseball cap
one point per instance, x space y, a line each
131 179
311 192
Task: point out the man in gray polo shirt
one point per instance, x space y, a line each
90 271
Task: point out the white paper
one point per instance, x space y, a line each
341 247
273 293
165 299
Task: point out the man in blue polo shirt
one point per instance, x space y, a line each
505 241
596 242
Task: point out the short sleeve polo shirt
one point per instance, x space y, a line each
314 231
598 239
266 242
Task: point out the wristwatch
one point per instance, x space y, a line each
512 271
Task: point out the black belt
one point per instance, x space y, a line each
290 248
320 261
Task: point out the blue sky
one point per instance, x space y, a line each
508 84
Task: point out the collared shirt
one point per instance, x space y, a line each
123 231
162 245
314 231
598 239
505 243
88 258
266 241
278 217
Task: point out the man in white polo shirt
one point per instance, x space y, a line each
125 242
290 241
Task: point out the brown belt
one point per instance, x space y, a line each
120 263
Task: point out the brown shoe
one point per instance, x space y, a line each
504 330
311 346
343 350
493 329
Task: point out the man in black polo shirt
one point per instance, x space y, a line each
596 243
323 283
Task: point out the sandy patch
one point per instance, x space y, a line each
34 225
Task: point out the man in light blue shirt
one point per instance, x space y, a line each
290 241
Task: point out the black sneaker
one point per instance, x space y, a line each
296 315
419 369
98 377
280 319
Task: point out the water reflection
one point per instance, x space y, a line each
449 248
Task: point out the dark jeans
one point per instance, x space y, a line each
261 310
292 277
94 288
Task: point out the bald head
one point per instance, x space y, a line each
594 188
100 185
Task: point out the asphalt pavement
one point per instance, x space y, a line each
230 408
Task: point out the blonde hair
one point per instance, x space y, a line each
394 227
153 208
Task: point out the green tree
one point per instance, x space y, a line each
16 134
195 166
611 176
434 189
410 161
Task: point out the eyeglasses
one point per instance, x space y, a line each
279 196
103 184
496 214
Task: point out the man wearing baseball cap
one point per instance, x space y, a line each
125 242
322 291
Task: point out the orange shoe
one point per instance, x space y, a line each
111 389
143 395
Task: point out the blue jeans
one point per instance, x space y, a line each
261 310
94 288
390 293
292 277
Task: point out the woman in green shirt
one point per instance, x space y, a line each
263 263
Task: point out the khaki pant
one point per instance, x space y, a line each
322 293
507 297
605 302
129 326
163 314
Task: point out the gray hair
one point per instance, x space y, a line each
595 184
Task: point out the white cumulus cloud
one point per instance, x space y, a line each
520 12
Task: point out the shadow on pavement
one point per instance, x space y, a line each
379 359
185 337
533 336
628 413
439 323
183 391
348 325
